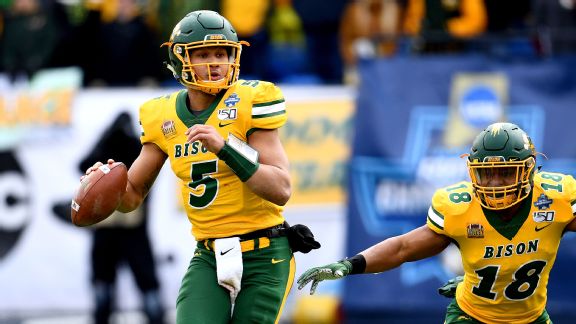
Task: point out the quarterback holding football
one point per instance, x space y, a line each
507 223
220 135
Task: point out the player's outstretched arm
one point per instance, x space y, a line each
330 271
388 254
417 244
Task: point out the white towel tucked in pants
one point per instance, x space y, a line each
229 265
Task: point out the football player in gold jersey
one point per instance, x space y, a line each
507 223
220 135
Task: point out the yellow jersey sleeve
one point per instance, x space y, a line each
558 186
154 126
435 219
447 203
268 107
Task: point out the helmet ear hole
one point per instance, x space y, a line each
170 67
530 162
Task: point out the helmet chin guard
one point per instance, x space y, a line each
501 195
189 76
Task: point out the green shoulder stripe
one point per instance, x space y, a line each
436 218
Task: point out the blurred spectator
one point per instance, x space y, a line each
556 25
287 48
368 28
443 26
64 53
251 28
320 21
285 25
510 26
121 239
120 45
29 39
4 5
165 14
509 15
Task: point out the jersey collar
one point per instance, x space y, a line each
510 229
187 117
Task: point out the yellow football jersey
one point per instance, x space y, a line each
506 264
217 203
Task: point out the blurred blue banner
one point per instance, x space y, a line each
414 118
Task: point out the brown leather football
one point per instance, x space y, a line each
99 194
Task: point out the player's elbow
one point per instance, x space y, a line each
282 194
130 202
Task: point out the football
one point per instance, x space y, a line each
99 194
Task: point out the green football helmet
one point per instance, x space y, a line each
501 165
200 29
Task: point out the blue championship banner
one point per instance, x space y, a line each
414 119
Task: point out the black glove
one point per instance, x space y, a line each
301 239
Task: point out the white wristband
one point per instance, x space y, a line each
243 148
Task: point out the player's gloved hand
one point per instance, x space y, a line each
330 271
449 288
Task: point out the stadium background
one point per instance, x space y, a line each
366 157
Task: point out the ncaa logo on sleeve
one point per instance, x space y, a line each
543 215
232 100
543 202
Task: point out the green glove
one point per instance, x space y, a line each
449 288
330 271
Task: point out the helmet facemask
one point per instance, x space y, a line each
501 164
500 184
189 76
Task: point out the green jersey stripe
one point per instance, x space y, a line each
269 103
270 115
270 109
436 218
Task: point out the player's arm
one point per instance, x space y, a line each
272 179
415 245
388 254
269 178
571 227
141 176
569 185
